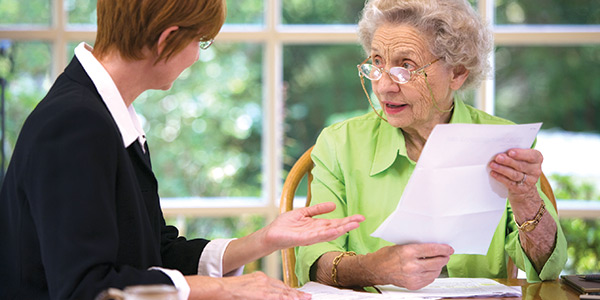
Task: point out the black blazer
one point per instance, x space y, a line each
79 212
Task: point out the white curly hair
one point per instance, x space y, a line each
454 31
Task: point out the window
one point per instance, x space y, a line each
223 138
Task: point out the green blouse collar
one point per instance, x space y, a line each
390 140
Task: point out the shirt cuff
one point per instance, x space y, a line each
178 280
211 260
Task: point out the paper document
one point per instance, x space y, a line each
325 292
451 197
440 288
455 288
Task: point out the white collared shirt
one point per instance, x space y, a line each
211 260
126 118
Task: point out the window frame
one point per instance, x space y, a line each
274 35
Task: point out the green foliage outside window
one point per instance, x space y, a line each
81 11
547 12
321 12
556 85
583 236
27 85
30 12
205 132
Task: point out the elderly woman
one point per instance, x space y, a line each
419 54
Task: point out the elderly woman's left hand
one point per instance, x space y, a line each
519 170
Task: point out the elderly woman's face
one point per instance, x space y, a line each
409 105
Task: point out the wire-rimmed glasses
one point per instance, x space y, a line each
205 44
399 75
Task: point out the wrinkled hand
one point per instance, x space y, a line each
412 266
251 286
518 170
299 228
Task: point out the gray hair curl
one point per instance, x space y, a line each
454 31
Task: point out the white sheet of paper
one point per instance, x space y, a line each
451 198
440 288
320 291
454 288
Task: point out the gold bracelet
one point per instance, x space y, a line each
530 225
336 261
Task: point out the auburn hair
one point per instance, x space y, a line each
127 26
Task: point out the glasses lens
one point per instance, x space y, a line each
400 75
205 44
370 71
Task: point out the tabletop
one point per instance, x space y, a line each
547 290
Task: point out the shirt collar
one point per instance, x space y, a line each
461 113
391 143
126 118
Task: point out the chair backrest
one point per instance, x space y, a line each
303 167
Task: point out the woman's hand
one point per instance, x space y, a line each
299 228
291 229
412 266
251 286
519 170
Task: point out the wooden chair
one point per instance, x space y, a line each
303 167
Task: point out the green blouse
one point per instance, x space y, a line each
361 165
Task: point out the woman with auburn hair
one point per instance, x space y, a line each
79 205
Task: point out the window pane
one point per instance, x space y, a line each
28 82
205 132
35 12
321 12
245 12
213 228
324 12
81 11
321 87
557 86
583 240
552 12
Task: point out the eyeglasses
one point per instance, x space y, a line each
397 74
205 44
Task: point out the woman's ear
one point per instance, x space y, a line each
459 75
160 45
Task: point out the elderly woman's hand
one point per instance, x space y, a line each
412 266
519 170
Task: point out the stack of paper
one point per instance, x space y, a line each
455 288
440 288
